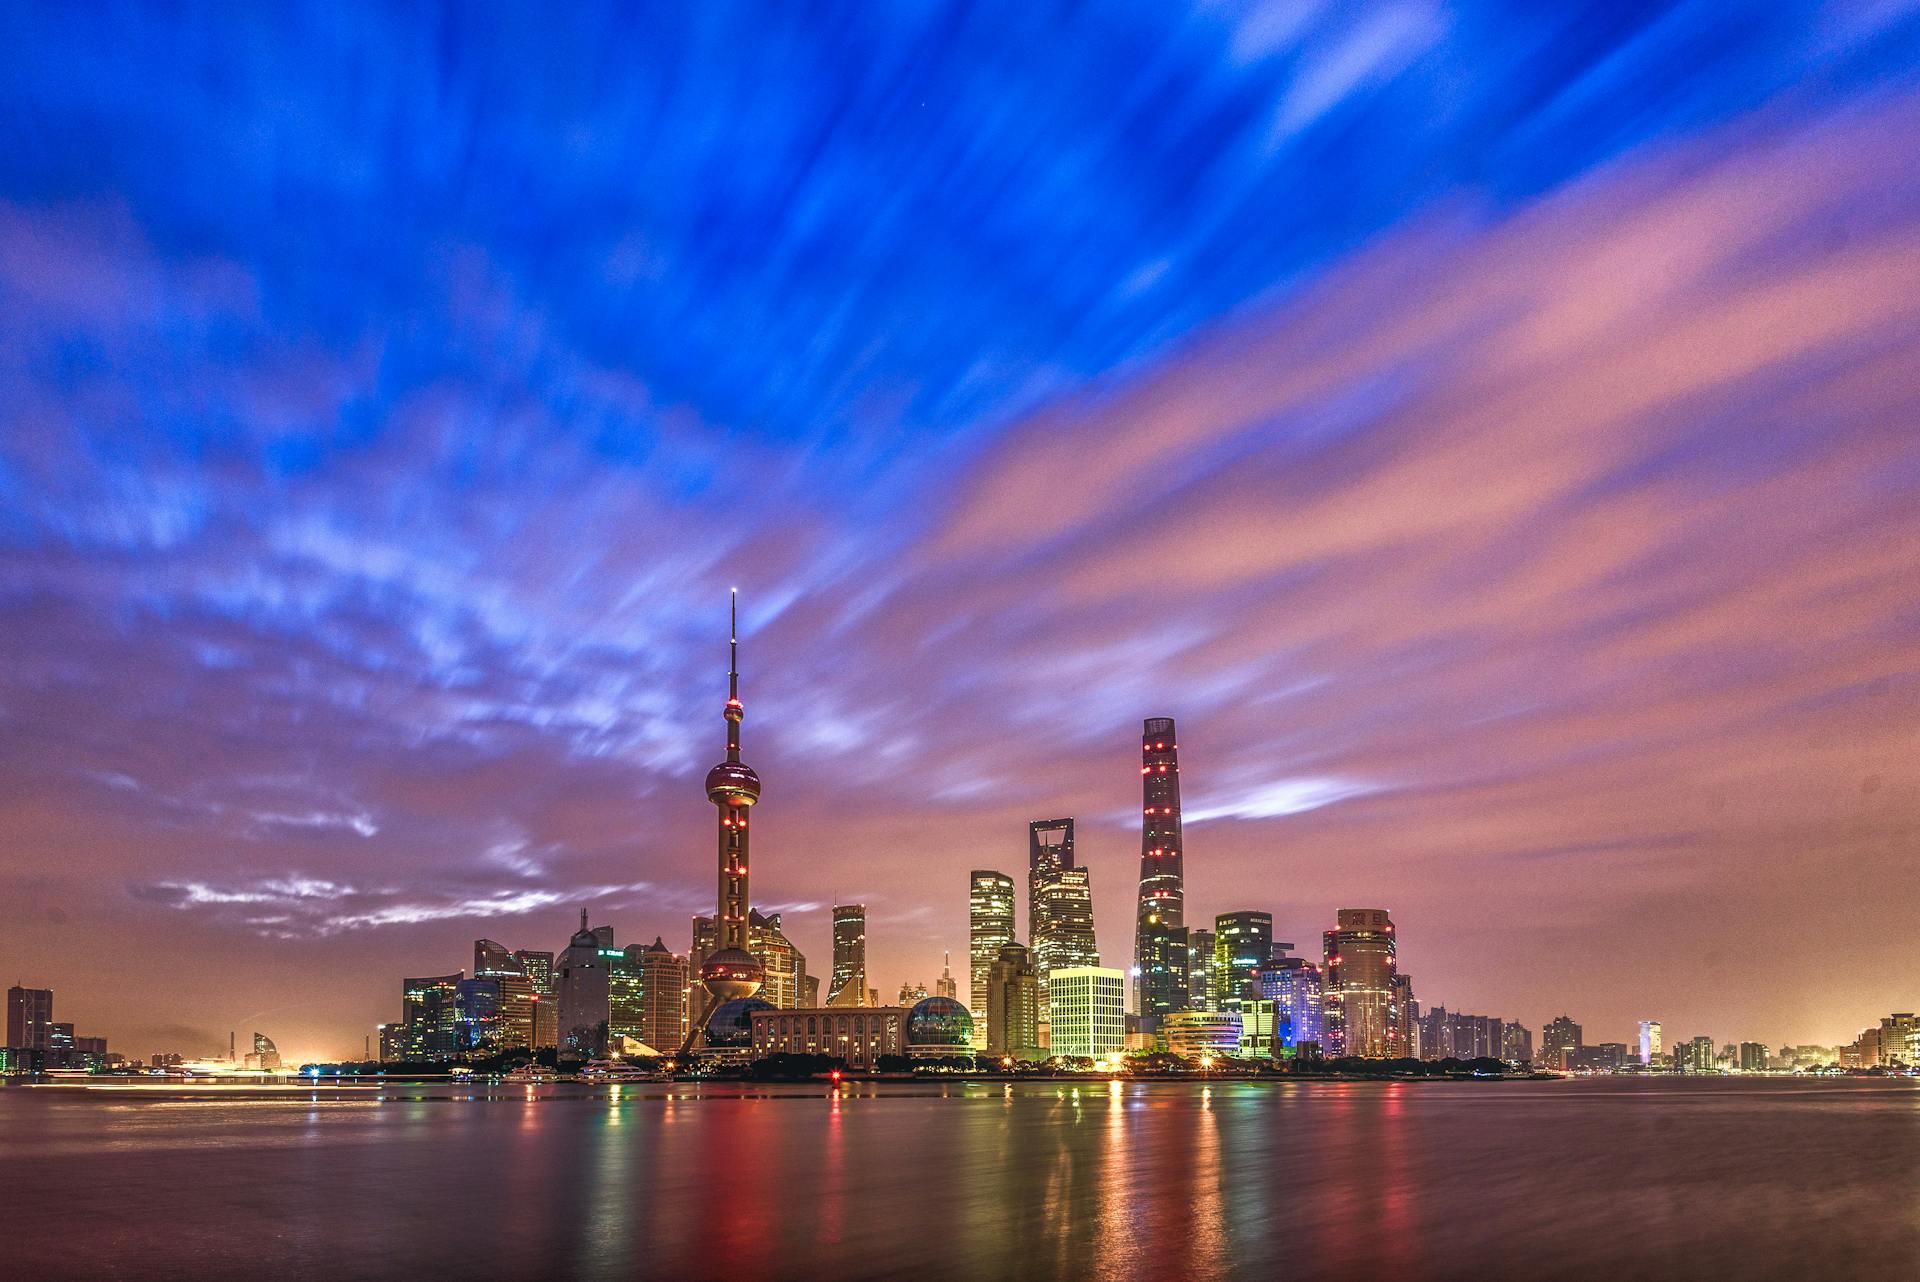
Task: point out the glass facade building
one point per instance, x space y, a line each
1242 943
1361 1015
990 910
1160 915
848 986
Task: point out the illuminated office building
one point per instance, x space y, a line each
1059 900
626 996
1049 851
945 985
538 968
546 1021
784 966
1159 951
1362 1018
1650 1048
1259 1028
1293 985
849 984
493 961
1088 1011
663 997
1013 1004
1242 943
911 993
990 909
1200 946
430 1016
477 1014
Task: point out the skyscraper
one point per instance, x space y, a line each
783 965
1159 959
663 997
626 997
429 1009
538 967
1361 1016
1013 1004
1650 1049
583 986
1068 941
1242 943
990 908
493 961
1200 946
945 985
1049 849
29 1018
1558 1042
1293 985
849 986
731 973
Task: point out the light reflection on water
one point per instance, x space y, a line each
1037 1180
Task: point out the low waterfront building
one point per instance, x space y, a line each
860 1035
1192 1033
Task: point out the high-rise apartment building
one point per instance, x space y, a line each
1404 1012
1160 956
1013 1004
1558 1042
1361 1014
849 986
1242 943
990 909
1088 1011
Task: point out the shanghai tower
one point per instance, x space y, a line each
1160 936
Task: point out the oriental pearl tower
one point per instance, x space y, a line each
731 973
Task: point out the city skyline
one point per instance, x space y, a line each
1506 481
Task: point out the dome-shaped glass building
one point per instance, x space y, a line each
939 1026
731 1024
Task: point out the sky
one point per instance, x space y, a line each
1492 431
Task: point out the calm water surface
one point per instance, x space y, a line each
1615 1179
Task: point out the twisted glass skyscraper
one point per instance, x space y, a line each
1160 939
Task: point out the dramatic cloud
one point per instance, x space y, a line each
1491 433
